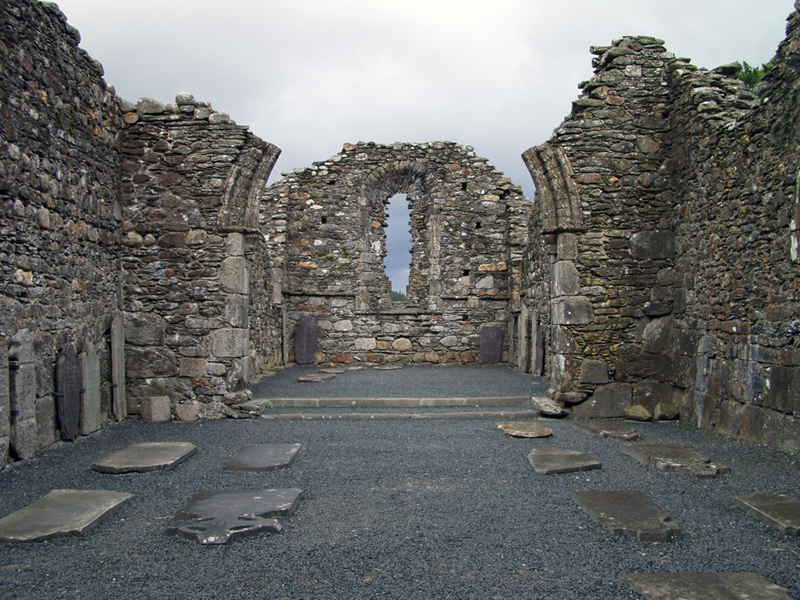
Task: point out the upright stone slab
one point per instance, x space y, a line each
60 513
90 390
68 393
214 517
22 396
5 403
491 344
705 586
119 406
305 341
627 513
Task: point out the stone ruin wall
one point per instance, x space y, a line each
194 260
59 240
670 206
660 265
469 232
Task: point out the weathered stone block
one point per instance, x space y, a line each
155 408
233 276
228 342
567 246
402 345
650 393
574 310
234 244
237 310
150 362
607 401
186 412
654 245
192 367
366 344
658 335
565 279
144 329
47 432
594 371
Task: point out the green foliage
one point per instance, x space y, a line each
752 75
397 297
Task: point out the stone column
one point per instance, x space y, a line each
22 387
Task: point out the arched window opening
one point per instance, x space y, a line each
397 262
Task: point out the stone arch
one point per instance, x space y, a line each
246 179
556 189
421 185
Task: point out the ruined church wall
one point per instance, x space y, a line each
59 203
469 230
737 220
604 196
191 182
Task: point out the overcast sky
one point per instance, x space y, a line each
309 75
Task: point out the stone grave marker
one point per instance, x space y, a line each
491 344
547 461
525 429
60 513
779 511
332 370
305 341
214 517
605 428
263 457
147 456
315 377
387 367
22 395
674 459
628 513
90 392
68 398
705 586
119 406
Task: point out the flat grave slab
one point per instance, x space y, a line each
702 586
627 513
214 517
675 459
605 428
387 368
147 456
332 370
60 513
525 429
548 461
779 511
315 377
263 457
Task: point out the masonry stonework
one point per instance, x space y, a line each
657 266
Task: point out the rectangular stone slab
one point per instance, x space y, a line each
491 344
609 429
68 398
779 511
147 456
216 516
674 459
263 457
305 341
60 513
628 513
703 586
524 429
548 461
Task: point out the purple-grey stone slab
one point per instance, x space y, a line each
68 397
628 513
147 456
674 459
779 511
305 341
60 513
548 461
524 429
705 586
263 457
214 517
491 344
604 428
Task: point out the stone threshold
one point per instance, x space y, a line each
475 414
389 402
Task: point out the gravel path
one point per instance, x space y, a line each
402 509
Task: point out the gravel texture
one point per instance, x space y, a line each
406 509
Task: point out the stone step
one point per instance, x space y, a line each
266 403
372 415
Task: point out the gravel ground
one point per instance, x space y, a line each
406 509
